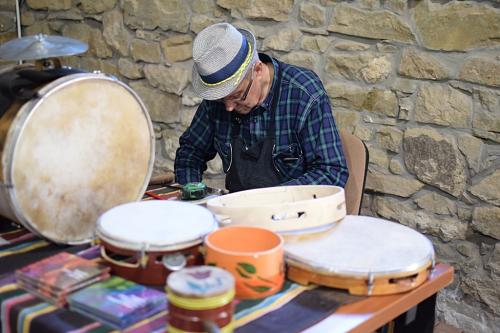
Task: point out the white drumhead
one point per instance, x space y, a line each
359 246
158 225
87 145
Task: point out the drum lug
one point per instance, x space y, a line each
433 265
6 185
143 260
370 283
174 262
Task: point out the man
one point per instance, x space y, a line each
270 122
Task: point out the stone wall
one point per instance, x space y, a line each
417 81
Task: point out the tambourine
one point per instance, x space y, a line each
365 255
284 209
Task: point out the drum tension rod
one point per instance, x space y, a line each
144 259
370 283
433 266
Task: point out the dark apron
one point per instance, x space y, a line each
252 167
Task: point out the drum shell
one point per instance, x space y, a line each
162 236
154 272
283 209
62 214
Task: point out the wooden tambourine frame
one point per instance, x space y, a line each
380 285
284 209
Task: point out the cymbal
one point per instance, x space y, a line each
41 47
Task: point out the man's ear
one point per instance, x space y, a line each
259 68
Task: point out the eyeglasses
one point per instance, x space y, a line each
243 97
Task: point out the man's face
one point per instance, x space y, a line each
242 99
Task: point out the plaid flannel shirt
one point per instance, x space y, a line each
307 150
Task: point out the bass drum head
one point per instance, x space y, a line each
158 225
87 145
360 247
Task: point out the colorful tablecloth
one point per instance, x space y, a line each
22 312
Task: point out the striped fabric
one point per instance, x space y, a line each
22 312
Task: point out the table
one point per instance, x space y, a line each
373 312
370 313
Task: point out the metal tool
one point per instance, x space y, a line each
41 47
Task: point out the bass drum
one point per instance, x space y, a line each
82 145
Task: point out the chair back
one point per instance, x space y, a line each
356 155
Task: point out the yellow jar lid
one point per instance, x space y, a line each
200 303
200 287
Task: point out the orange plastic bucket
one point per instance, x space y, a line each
254 256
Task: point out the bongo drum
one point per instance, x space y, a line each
82 144
284 209
365 255
145 241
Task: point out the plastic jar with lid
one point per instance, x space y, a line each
199 297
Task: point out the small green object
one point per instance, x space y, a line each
194 191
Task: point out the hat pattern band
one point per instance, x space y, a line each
233 69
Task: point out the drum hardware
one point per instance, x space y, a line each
41 47
370 283
6 185
174 262
432 267
141 262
